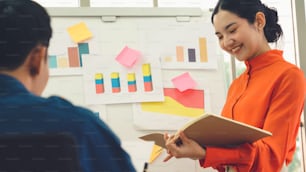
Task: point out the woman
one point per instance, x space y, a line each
269 94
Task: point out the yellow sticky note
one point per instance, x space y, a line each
79 32
156 151
98 76
62 62
146 69
131 77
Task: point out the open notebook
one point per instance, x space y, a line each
214 130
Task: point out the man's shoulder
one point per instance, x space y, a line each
61 105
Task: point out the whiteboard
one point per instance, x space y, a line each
159 34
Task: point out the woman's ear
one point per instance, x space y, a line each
260 20
36 58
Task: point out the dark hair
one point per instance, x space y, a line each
247 9
24 24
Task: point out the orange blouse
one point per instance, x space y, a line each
269 95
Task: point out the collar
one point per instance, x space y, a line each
264 60
9 85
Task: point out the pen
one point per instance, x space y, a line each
145 167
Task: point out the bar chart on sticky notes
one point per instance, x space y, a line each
69 61
99 83
147 77
131 79
186 56
191 52
110 83
117 83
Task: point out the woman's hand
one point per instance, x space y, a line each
186 148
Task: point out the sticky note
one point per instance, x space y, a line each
62 62
79 32
183 82
52 60
156 151
128 57
146 69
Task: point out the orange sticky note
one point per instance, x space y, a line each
156 151
128 56
79 32
183 82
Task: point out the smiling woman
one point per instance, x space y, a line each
244 29
232 35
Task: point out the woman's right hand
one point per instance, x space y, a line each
187 148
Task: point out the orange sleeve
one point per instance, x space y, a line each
218 157
283 120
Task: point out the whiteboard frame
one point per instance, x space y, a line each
123 11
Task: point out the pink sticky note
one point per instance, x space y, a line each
128 56
183 82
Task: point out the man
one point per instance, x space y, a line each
25 32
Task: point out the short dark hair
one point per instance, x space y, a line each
24 24
247 9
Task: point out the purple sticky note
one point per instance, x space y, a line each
183 82
128 57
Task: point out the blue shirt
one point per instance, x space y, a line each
22 112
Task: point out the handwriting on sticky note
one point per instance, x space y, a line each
128 56
79 32
183 82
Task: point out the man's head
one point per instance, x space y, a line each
25 32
